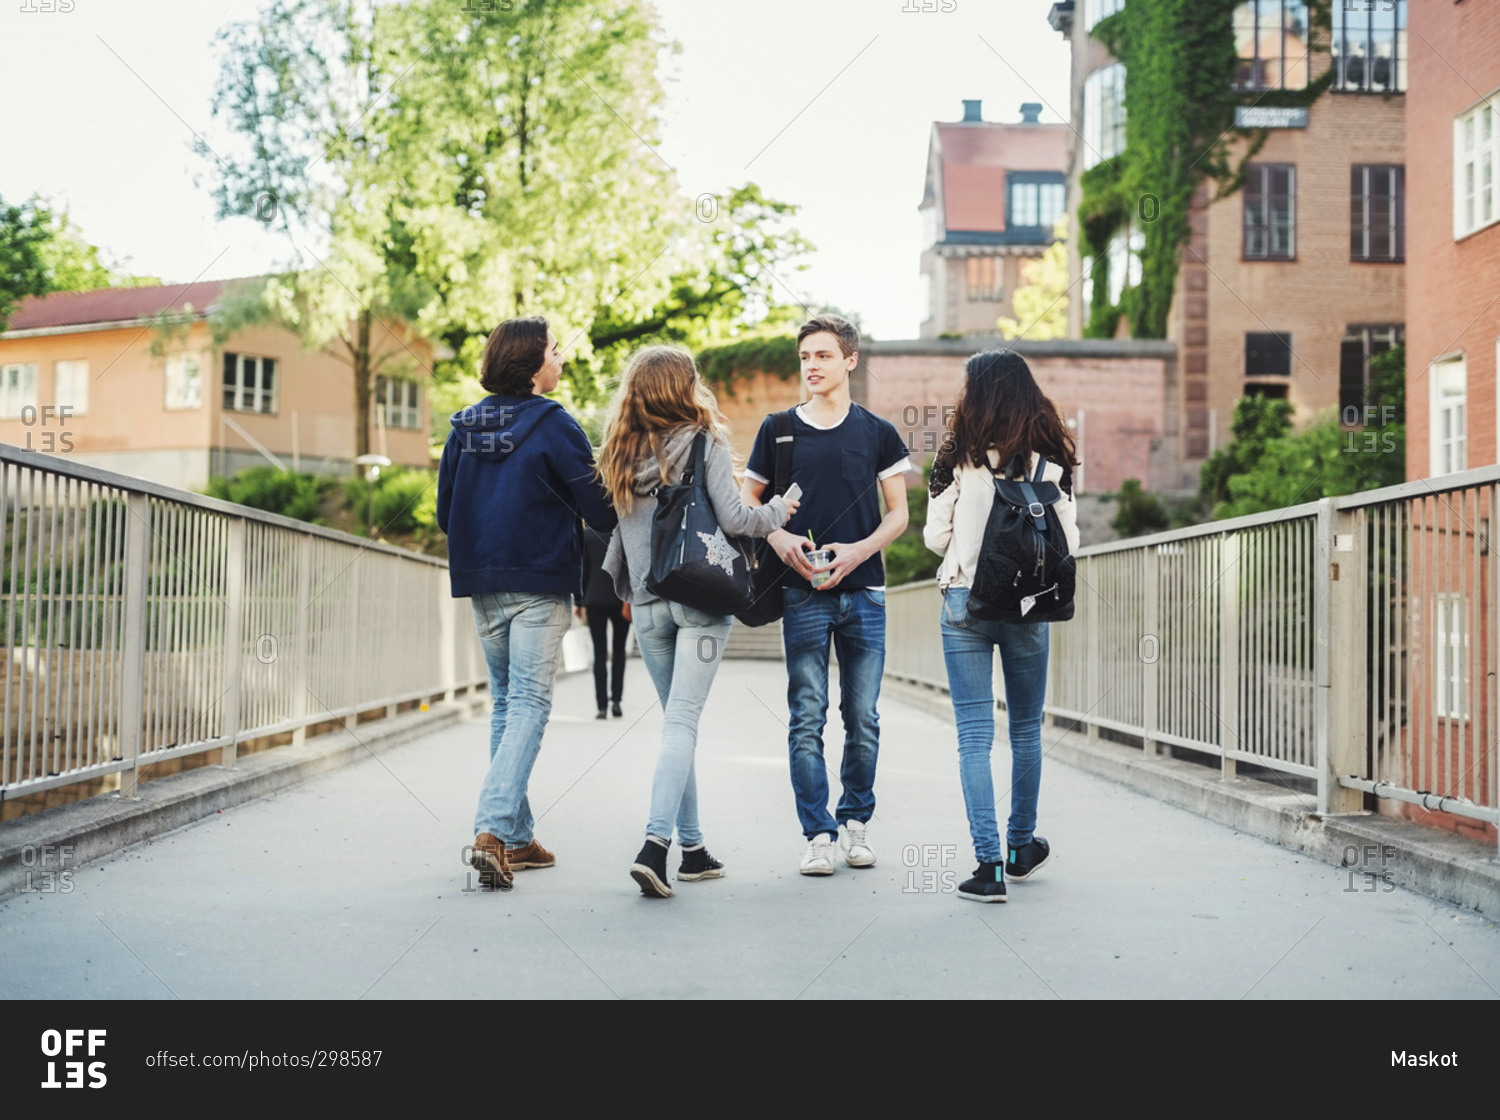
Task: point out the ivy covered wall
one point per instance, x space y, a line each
1179 58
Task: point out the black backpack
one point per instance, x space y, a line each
1025 572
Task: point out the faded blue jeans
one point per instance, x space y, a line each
855 622
521 633
682 648
969 646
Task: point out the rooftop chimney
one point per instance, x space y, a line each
1030 111
971 111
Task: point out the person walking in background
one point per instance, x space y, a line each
656 415
1002 423
604 610
516 475
845 459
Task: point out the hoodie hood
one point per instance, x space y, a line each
495 426
676 448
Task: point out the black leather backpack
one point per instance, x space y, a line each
1025 572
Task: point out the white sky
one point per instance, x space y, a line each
116 146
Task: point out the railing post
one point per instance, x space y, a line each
1339 694
447 623
1151 659
1091 631
234 637
1229 651
302 638
133 641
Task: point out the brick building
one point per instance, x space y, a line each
993 192
1288 286
1453 243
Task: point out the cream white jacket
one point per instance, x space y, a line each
956 519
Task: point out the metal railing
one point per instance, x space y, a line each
144 623
1350 641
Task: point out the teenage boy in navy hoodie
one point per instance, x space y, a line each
516 476
846 459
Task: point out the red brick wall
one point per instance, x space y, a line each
1122 399
1453 285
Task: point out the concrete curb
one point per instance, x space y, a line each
102 825
1380 853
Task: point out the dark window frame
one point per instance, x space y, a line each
1260 201
1036 180
1257 64
264 389
1348 28
1355 351
1363 234
1263 353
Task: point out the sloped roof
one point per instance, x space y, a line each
114 305
974 157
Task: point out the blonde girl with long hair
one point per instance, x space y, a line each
658 411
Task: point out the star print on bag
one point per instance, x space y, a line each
718 551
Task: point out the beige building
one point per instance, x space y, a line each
93 376
993 193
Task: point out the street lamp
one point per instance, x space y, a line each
372 465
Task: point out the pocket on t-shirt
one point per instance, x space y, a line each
857 467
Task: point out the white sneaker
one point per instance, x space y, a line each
819 857
856 846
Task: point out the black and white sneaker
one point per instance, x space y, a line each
987 885
1023 862
698 864
650 870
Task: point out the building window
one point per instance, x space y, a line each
1268 354
1037 199
1124 257
401 400
1369 46
982 279
1103 114
1271 212
184 382
1451 659
1359 346
70 387
1449 397
249 383
1271 42
1377 212
1095 10
17 389
1476 156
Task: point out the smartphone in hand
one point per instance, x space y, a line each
793 493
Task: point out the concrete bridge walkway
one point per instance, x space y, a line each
352 885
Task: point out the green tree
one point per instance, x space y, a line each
1257 421
1041 302
23 265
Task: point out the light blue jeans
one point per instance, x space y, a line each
521 633
682 648
854 623
969 646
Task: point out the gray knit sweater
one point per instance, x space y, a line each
629 558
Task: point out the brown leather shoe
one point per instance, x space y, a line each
528 856
489 859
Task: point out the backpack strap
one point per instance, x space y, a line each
1036 510
782 474
695 464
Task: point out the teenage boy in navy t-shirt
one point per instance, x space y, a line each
844 458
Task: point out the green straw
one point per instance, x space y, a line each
810 539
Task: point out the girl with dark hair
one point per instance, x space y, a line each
1002 424
657 414
516 477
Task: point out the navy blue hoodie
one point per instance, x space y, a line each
517 474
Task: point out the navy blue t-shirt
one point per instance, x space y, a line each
840 470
